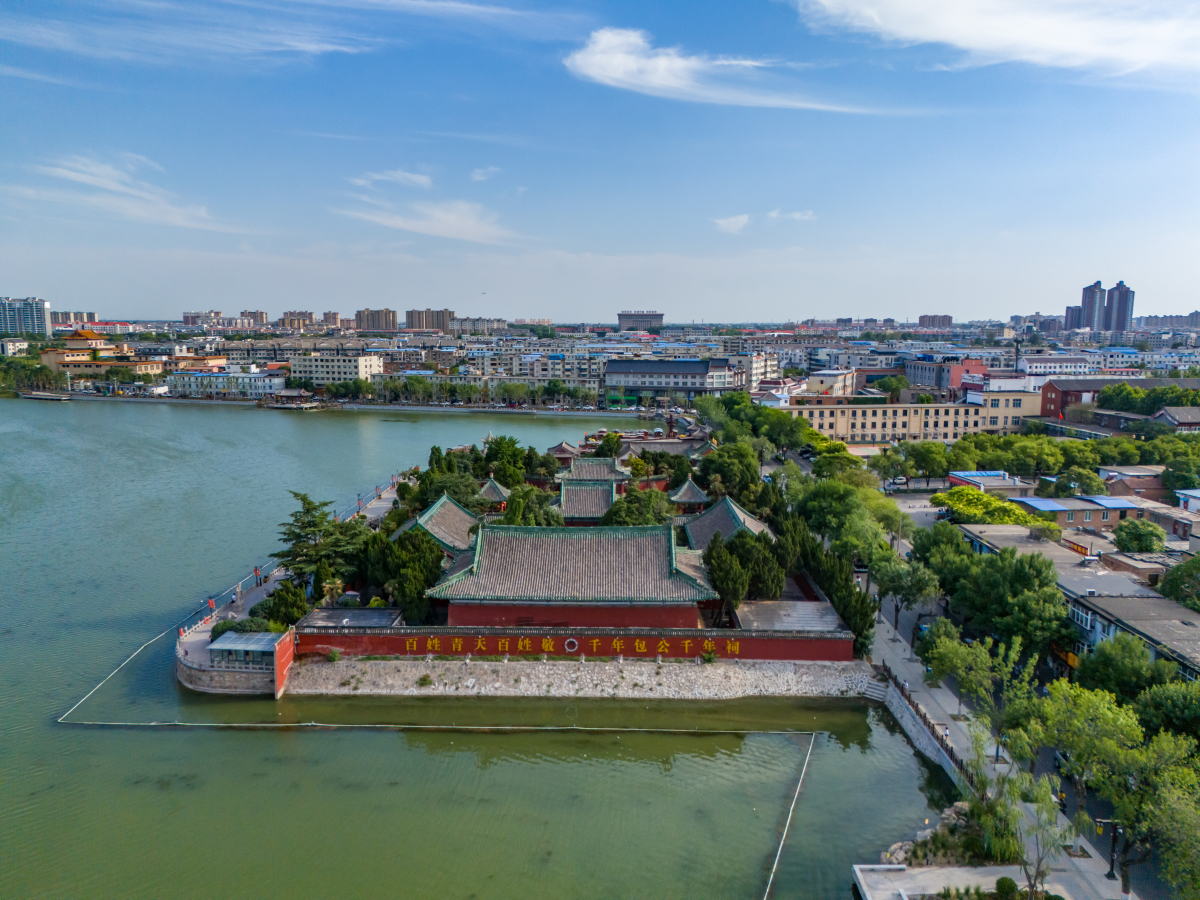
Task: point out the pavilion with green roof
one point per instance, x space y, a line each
447 522
726 517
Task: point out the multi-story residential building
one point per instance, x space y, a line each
332 319
198 317
27 316
256 316
638 320
935 321
230 383
308 318
1053 364
326 369
832 382
429 320
70 318
375 320
872 420
1091 311
1118 308
478 325
628 379
13 347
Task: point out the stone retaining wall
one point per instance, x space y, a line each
532 678
216 681
917 732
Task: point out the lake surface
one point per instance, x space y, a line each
116 519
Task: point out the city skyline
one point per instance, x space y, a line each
567 160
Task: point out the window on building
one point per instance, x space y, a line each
1104 516
995 403
1016 404
1087 516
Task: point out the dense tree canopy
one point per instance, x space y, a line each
1122 666
648 507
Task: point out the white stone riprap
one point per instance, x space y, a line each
533 678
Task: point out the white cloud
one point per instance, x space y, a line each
165 31
624 58
1117 36
14 72
396 176
733 225
484 174
805 215
454 219
117 191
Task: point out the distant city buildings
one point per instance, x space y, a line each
27 316
321 370
333 319
639 320
429 320
374 320
935 321
1118 308
257 316
545 322
71 318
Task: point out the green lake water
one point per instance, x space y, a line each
116 519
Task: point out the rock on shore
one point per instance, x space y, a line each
533 678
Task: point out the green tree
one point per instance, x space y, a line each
1139 536
530 505
907 584
835 463
649 507
1091 727
286 605
891 465
828 506
1001 686
725 573
928 458
305 537
1182 583
1122 666
1076 481
736 464
1153 790
756 555
892 385
1171 707
610 446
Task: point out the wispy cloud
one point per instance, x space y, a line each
625 58
116 190
806 215
396 176
454 219
484 174
1116 36
732 225
14 72
167 31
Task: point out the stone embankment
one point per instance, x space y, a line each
721 680
901 853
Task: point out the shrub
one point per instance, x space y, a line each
334 655
1006 889
709 656
424 680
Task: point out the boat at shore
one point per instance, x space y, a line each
44 395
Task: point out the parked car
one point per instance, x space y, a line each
900 480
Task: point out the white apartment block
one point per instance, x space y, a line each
322 370
248 385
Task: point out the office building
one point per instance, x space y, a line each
1092 308
257 316
935 321
639 320
1118 308
429 320
28 316
375 320
323 370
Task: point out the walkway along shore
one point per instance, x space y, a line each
370 407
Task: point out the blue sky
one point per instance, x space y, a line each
712 160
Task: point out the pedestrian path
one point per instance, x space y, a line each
1075 879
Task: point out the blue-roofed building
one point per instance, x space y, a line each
994 480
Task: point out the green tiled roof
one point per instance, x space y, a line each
578 565
493 491
689 493
586 499
593 468
446 522
724 516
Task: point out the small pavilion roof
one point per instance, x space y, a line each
726 517
636 565
563 448
586 499
593 468
689 493
446 522
493 491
